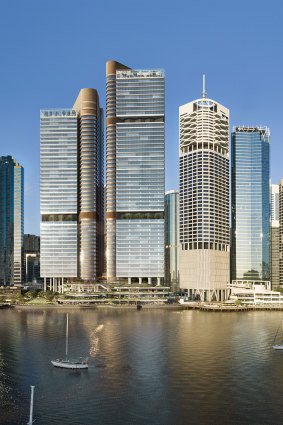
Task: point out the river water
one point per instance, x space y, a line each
156 367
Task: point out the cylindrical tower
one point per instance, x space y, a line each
204 199
90 139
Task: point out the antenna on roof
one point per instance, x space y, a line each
203 86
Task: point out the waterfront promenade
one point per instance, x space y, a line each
203 307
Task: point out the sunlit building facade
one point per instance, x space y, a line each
281 232
172 238
135 111
250 256
11 221
204 199
274 236
59 195
71 191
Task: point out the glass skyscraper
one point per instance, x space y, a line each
135 173
204 199
59 194
250 204
71 191
11 221
274 235
172 238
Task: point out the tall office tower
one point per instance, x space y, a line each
135 111
274 204
172 238
58 195
274 236
204 199
71 190
31 258
250 204
11 221
281 232
91 184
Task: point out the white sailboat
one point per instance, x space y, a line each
277 346
66 362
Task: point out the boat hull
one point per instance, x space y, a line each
69 365
277 347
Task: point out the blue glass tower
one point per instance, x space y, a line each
11 221
250 204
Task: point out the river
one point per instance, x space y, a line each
155 367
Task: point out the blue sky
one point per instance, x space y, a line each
51 49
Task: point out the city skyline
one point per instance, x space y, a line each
45 77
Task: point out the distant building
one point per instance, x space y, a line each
172 238
71 191
11 221
274 236
257 292
274 204
204 199
31 258
250 204
281 232
135 137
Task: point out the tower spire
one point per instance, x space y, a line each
203 86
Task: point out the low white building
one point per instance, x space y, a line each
254 293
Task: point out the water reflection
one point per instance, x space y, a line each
149 367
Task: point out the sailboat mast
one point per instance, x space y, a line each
31 406
67 335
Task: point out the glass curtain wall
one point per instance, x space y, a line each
140 174
11 221
250 204
58 193
172 238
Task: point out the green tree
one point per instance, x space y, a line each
20 298
31 294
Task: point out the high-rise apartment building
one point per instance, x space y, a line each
135 111
31 258
91 184
274 236
172 238
204 199
11 221
71 190
250 204
281 232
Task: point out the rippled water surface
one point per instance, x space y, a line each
146 367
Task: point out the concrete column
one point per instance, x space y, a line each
149 281
44 284
158 281
140 280
129 280
63 285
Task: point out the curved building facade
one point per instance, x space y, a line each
204 199
91 189
72 191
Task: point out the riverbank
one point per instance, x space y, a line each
173 307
